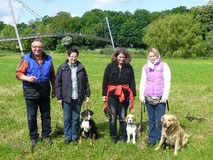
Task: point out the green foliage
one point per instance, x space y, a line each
209 44
60 22
1 26
60 48
26 44
175 35
132 29
107 50
128 30
204 16
8 31
138 52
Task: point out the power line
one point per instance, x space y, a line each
29 9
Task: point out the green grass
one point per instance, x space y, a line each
191 93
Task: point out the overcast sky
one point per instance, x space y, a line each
79 7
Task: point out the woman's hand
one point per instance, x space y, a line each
87 100
143 101
163 100
104 98
60 101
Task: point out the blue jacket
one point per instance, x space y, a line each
40 88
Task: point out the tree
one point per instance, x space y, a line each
209 44
1 25
130 34
176 35
61 22
6 32
205 16
26 44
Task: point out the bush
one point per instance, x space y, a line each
107 50
209 44
138 52
60 48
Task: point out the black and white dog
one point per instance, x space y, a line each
87 126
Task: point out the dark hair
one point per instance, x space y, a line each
124 51
71 50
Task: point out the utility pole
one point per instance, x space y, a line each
110 33
17 35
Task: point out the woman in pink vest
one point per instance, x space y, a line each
155 85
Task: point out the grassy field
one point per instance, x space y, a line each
191 93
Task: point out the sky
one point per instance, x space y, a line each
79 7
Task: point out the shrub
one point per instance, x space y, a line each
209 44
107 50
60 48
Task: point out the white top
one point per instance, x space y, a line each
167 82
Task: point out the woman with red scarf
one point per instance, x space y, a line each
118 90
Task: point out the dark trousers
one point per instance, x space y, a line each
119 109
32 107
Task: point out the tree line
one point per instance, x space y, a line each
179 32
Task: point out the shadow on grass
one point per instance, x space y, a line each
103 129
58 131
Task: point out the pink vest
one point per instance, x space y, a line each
154 80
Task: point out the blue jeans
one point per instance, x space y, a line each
119 109
153 113
71 113
32 108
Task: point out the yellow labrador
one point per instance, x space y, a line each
172 133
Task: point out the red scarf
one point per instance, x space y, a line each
120 94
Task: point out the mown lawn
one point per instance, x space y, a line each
191 93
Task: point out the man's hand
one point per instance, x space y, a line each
31 78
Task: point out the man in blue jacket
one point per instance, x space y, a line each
36 71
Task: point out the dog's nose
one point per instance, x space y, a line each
164 125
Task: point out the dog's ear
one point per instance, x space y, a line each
90 112
174 118
83 114
162 119
134 119
176 122
127 119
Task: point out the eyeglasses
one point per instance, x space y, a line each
39 47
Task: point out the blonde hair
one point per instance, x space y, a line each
154 51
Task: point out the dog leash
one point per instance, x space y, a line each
86 105
167 105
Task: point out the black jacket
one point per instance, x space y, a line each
63 84
113 75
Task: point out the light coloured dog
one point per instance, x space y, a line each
131 128
172 133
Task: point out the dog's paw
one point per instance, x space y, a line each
175 153
156 148
134 142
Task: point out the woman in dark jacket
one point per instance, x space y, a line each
118 90
72 86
